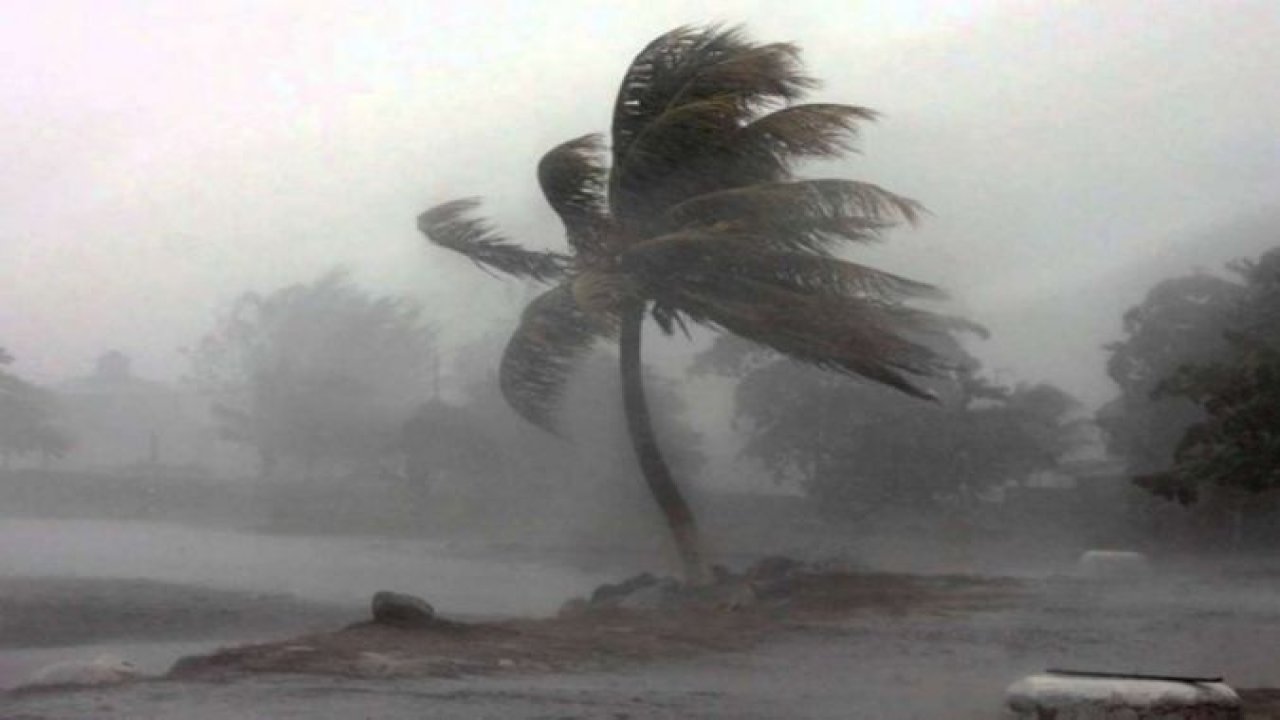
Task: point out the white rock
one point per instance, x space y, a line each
105 670
1113 565
1073 697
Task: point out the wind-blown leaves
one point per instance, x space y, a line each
857 338
450 226
681 95
711 254
554 334
805 214
767 149
574 179
699 216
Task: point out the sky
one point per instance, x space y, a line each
159 158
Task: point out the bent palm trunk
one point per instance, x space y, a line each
654 467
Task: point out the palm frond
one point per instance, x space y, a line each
829 276
681 85
767 149
858 338
450 225
803 215
599 295
717 252
553 335
575 179
689 64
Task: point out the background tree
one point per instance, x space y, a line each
856 448
320 374
1236 443
699 218
1180 322
28 419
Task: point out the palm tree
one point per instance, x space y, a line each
699 219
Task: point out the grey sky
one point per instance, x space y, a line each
160 158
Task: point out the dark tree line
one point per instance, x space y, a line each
29 423
1199 373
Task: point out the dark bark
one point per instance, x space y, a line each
657 475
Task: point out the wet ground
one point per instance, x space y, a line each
881 662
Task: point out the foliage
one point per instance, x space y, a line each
700 216
323 374
697 216
1236 444
1180 322
28 418
854 447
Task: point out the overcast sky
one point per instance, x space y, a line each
161 157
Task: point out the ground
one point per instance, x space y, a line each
59 611
866 646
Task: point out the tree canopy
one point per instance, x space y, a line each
1180 322
320 373
855 447
29 422
1235 443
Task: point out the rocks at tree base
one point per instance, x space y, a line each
573 607
105 670
654 596
774 576
769 579
608 594
402 610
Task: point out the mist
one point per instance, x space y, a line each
256 368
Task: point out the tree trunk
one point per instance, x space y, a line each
656 473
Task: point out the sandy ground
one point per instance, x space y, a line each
885 648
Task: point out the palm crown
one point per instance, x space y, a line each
699 215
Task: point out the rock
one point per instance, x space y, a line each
105 670
661 594
610 594
773 577
573 607
402 610
773 567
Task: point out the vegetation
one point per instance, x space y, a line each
28 419
317 374
856 448
1236 443
697 217
1180 322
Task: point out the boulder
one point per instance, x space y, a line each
573 607
655 596
774 577
402 610
611 594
